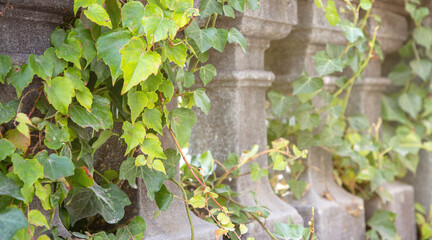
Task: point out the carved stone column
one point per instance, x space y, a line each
338 214
237 118
365 99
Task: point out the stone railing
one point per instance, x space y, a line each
292 32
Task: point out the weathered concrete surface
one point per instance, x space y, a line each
338 214
237 116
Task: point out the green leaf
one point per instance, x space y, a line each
235 36
7 113
173 158
114 12
137 64
306 87
411 103
28 170
153 179
359 122
54 136
365 5
280 104
84 36
100 116
319 3
108 48
152 118
137 100
203 39
197 201
186 77
6 148
108 201
9 188
400 74
11 221
20 79
421 68
58 37
331 13
420 14
423 36
133 135
257 172
253 4
325 66
97 14
134 230
202 100
82 3
85 98
81 178
285 231
208 7
59 64
54 166
152 147
36 218
391 110
59 93
207 73
70 52
182 121
167 89
352 33
382 221
238 5
297 188
158 29
5 66
177 53
132 15
163 198
228 11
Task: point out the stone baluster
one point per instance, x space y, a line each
237 118
366 98
338 214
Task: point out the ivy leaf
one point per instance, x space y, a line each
256 172
173 158
182 121
133 135
297 188
203 39
11 221
153 179
28 170
167 88
421 68
186 77
285 231
41 66
163 198
82 3
9 188
108 48
365 4
85 38
158 29
253 4
6 149
100 116
5 66
97 14
331 13
306 87
20 79
137 100
208 7
7 113
352 33
197 201
54 136
81 178
325 66
228 11
137 64
59 64
114 12
70 52
423 36
410 103
85 98
177 53
18 139
235 36
132 15
55 167
134 230
152 118
400 74
238 5
36 218
108 201
59 93
207 73
158 166
382 221
202 100
391 110
152 147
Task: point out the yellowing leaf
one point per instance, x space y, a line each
96 13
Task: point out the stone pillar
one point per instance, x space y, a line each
366 98
237 118
338 214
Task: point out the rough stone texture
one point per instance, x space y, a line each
366 99
237 116
338 214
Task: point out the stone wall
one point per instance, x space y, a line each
291 31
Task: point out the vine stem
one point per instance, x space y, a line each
187 208
102 176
